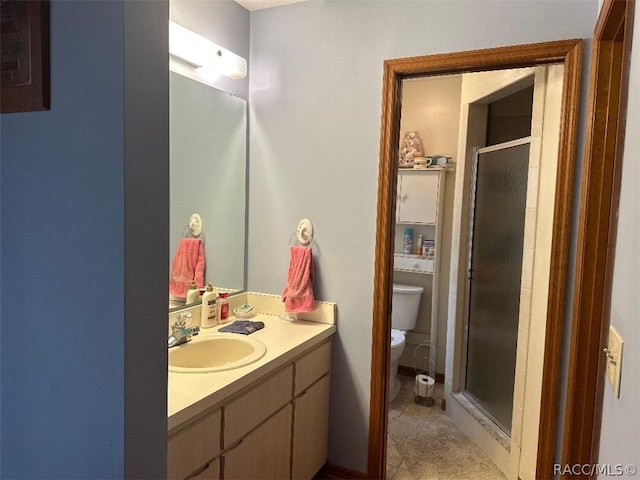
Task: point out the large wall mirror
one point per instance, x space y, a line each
208 167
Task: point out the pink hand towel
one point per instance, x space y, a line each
188 266
298 292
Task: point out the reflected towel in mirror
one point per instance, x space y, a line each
187 266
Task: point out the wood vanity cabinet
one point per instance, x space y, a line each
275 429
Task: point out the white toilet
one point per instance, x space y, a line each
404 314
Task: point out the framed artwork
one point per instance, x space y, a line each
24 56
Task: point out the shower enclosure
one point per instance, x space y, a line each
497 213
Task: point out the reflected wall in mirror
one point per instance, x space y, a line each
208 166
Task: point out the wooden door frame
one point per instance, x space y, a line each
609 84
566 52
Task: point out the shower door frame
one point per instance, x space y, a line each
477 151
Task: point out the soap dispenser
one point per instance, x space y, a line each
208 314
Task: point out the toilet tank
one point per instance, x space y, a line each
406 302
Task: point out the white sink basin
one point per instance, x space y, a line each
215 353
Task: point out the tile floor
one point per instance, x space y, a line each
424 443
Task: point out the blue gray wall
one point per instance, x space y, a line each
75 269
316 84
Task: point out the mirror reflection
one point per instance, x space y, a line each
208 140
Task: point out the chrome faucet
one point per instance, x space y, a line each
182 333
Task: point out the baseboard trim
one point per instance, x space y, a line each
331 472
411 372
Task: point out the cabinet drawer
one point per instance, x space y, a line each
255 406
312 366
413 263
193 447
263 454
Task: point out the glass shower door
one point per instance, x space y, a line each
495 267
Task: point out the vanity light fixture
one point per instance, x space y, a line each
200 52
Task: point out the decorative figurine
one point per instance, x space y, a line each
410 147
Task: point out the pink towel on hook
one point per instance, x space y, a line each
187 266
298 293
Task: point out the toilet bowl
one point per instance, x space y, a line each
404 314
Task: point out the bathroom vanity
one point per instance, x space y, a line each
268 419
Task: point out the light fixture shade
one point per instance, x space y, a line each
200 52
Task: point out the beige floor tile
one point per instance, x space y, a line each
393 457
427 445
397 405
405 395
403 474
391 444
391 471
417 410
394 413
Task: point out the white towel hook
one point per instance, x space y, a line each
195 225
304 231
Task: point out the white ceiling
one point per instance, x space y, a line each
260 4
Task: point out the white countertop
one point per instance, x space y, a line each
190 394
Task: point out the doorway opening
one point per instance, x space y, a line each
567 53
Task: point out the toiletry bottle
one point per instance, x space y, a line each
209 312
223 308
419 245
193 295
408 240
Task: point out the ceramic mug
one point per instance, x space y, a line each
421 162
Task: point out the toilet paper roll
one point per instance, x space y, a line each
424 386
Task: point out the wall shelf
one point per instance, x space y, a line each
419 204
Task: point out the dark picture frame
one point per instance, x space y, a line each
24 56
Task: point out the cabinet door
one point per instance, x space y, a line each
310 430
265 453
191 449
418 198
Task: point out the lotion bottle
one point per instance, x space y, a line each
223 308
192 294
208 314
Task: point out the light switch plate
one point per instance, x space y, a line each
614 359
